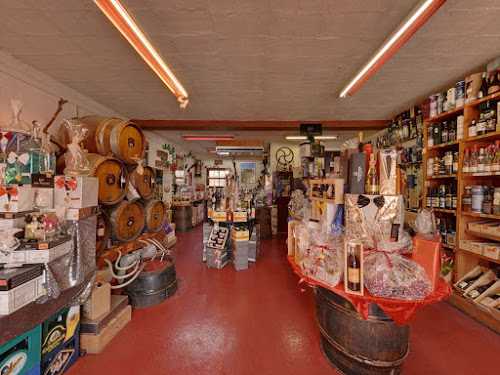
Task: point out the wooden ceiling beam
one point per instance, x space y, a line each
256 125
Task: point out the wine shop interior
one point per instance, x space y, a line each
249 187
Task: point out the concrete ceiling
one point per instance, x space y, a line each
252 59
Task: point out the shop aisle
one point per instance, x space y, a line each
258 322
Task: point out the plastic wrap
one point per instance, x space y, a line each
76 161
388 273
52 290
425 222
71 269
17 125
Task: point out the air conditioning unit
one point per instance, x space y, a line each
239 147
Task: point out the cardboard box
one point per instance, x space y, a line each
95 326
492 228
16 199
239 217
99 301
491 251
240 235
6 224
476 247
14 299
476 225
82 213
466 244
483 280
460 284
427 253
76 192
219 216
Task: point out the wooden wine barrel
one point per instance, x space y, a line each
109 171
101 245
182 218
110 135
353 346
127 221
145 184
155 284
155 214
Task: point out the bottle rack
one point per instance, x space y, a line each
465 260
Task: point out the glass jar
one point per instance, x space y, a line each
496 201
477 198
467 200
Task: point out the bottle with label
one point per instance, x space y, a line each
481 160
473 159
444 132
488 158
488 200
494 84
444 230
430 135
472 129
437 134
448 162
123 180
353 269
229 215
466 162
442 197
481 125
467 282
452 131
428 201
100 230
437 199
480 290
455 162
483 90
467 199
454 199
495 164
371 183
449 198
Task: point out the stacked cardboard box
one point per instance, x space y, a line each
216 258
274 220
240 255
207 229
171 238
253 244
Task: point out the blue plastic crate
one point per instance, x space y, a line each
35 370
59 328
61 359
18 356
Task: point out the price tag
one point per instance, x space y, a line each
43 246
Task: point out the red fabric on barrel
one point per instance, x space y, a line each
402 312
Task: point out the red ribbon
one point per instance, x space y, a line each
71 183
14 192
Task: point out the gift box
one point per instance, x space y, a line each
387 172
427 253
357 173
20 167
361 211
240 235
16 199
239 217
345 157
75 192
323 265
219 215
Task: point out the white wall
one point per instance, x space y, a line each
209 163
276 146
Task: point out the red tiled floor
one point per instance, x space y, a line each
258 322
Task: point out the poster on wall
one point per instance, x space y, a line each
247 172
167 189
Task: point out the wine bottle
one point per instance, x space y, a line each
480 290
464 284
100 231
483 91
494 84
371 182
353 269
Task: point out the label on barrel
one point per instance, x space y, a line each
145 179
157 214
131 142
110 179
130 221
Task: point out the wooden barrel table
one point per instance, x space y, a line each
144 183
155 215
156 283
182 218
353 346
263 217
103 232
111 135
127 221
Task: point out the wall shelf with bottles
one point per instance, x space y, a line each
442 176
445 115
443 146
445 211
481 215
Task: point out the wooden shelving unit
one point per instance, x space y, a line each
445 211
448 246
338 194
465 260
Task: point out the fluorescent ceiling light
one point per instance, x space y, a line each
413 21
223 153
213 151
325 137
292 137
122 20
207 138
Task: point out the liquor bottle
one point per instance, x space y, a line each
483 91
229 215
436 198
494 84
353 270
454 199
488 301
464 284
100 231
466 162
467 200
472 129
495 165
449 198
481 125
473 159
481 160
448 162
442 197
451 234
438 226
371 182
452 131
437 134
444 132
488 201
122 181
455 162
430 135
444 230
488 158
480 290
428 198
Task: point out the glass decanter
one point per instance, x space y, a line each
76 161
47 157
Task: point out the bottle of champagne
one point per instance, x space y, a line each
483 91
371 182
494 84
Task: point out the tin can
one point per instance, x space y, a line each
477 198
450 99
440 103
460 93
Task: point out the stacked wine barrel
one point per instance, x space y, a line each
115 146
